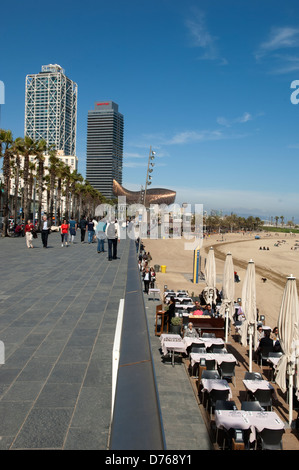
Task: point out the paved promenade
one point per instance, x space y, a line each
58 314
58 311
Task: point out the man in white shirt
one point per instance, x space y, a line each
45 231
113 237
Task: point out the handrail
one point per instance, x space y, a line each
137 421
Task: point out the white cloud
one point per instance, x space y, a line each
280 38
229 122
201 38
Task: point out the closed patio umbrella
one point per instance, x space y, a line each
210 276
228 291
288 330
249 308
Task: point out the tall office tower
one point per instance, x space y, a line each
104 157
51 108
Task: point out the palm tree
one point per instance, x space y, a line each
60 174
66 180
54 162
41 147
28 150
17 148
6 140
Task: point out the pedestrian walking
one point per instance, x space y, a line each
45 231
153 278
101 235
73 229
83 225
64 230
28 233
112 233
146 279
90 230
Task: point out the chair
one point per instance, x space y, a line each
264 397
215 395
210 364
219 351
210 374
227 370
271 439
251 406
197 348
208 335
217 347
264 353
225 405
253 376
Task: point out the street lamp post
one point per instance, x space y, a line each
150 166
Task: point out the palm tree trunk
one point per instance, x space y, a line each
6 174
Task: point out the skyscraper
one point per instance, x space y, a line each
104 158
51 108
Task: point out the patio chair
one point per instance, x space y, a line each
215 395
208 335
227 371
197 348
270 439
264 397
251 406
210 374
253 376
225 405
210 364
217 347
263 354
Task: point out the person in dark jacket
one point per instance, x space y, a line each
171 310
82 225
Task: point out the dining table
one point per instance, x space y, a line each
208 342
171 343
218 357
215 384
256 421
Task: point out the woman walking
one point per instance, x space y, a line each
73 229
28 234
64 232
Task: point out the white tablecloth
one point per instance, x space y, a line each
254 420
208 342
219 358
254 385
215 384
172 343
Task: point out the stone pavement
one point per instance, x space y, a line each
58 311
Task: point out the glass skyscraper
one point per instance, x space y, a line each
51 108
104 157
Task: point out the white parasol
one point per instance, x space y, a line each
210 276
249 309
228 292
288 331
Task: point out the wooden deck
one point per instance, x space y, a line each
291 436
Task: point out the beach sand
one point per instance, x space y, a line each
274 264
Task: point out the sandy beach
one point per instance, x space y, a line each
274 264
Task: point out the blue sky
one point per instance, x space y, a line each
206 83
